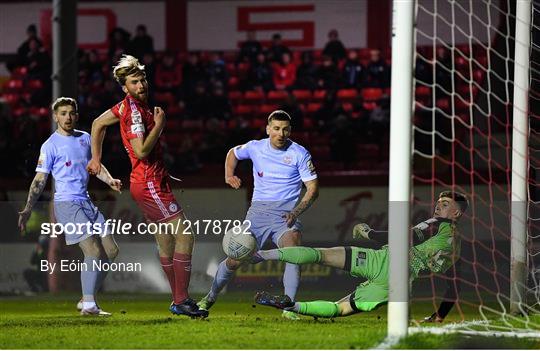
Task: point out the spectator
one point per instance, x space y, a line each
284 72
343 141
198 106
261 74
293 109
118 43
217 72
193 72
168 74
250 48
214 143
353 71
149 62
327 74
276 50
24 48
328 111
334 47
219 104
443 69
142 43
378 72
306 73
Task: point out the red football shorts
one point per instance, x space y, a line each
156 200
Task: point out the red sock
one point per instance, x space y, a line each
167 266
182 273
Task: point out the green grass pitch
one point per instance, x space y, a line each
143 322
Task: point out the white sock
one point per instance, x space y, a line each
88 305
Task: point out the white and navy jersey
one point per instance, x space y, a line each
66 157
278 173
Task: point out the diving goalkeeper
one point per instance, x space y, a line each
436 254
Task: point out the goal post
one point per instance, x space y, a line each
520 159
401 105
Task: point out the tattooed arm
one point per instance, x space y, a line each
36 188
312 193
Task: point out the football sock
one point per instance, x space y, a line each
291 279
167 266
223 275
324 309
299 255
182 274
268 254
89 278
101 275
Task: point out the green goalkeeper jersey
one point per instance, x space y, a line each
437 253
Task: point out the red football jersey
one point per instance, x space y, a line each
136 121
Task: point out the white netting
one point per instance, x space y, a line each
463 141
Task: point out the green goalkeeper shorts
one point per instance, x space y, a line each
373 266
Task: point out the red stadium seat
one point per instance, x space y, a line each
40 112
243 69
319 95
242 110
422 91
14 85
369 105
347 106
443 104
347 94
235 97
20 72
313 107
265 109
258 123
231 68
302 95
253 97
20 111
34 84
196 124
166 99
233 83
12 99
277 96
371 94
174 125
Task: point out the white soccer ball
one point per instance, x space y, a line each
238 243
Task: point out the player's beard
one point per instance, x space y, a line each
141 97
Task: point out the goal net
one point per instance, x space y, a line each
464 128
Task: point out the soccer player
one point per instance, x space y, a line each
436 254
280 166
141 130
65 155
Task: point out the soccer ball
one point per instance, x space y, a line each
239 244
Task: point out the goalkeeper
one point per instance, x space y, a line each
436 254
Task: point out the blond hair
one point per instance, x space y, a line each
64 101
126 66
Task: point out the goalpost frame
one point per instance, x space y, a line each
399 192
520 160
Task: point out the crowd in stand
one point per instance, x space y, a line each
213 100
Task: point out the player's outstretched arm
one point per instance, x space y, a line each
99 127
105 177
312 193
36 188
143 146
230 166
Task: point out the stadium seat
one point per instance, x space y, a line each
12 99
233 83
229 56
195 124
231 69
478 75
320 152
369 105
313 107
319 95
174 125
243 69
20 111
34 84
308 123
265 109
347 107
164 98
347 95
302 95
20 72
443 104
235 97
422 91
14 85
371 94
242 110
258 123
277 96
253 97
40 112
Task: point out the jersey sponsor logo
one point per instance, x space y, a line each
136 117
173 207
137 128
361 258
287 160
